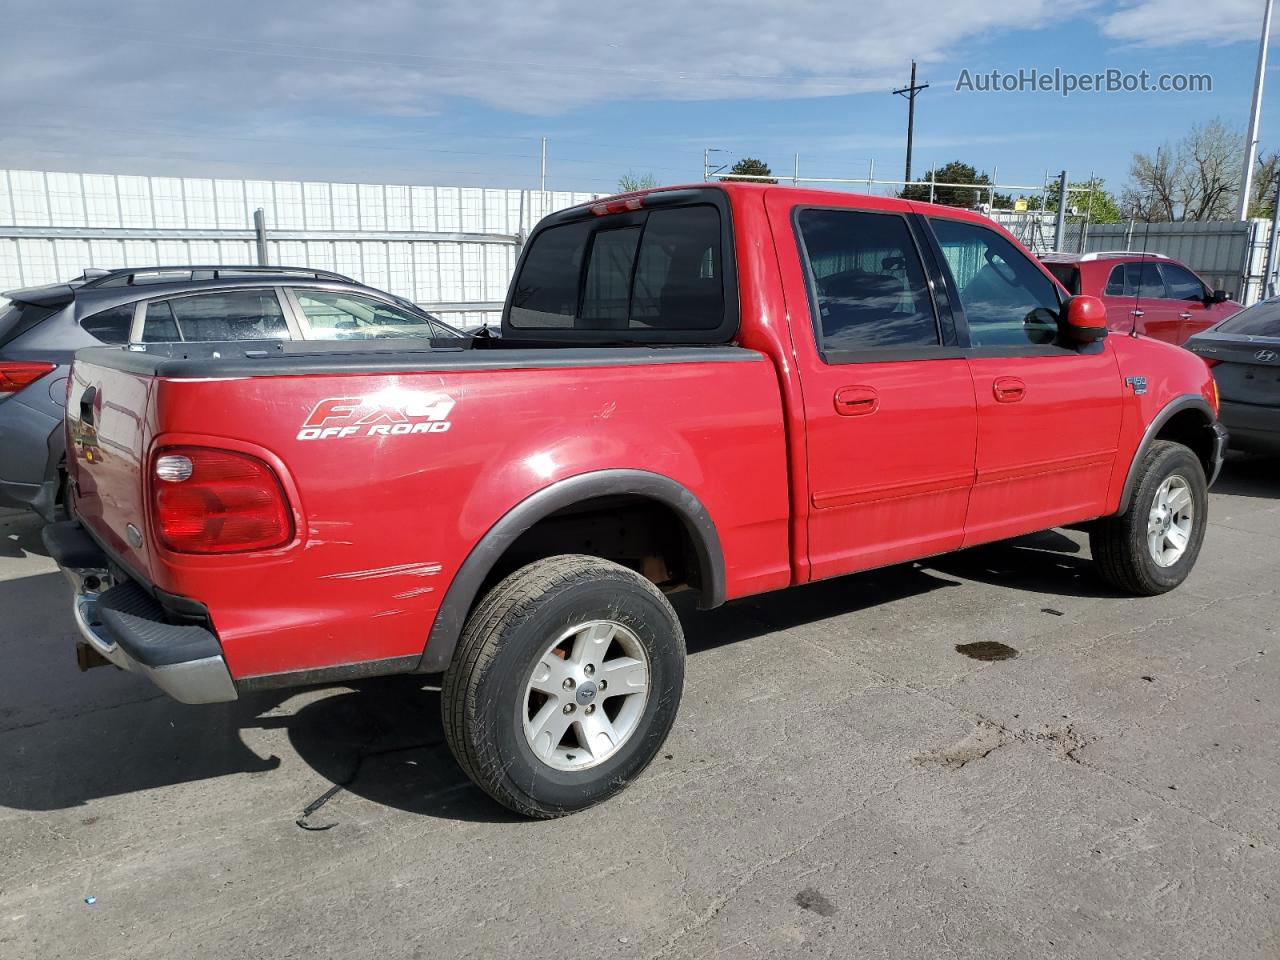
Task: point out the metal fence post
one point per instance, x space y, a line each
1060 226
260 230
1268 283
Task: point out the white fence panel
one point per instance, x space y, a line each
451 249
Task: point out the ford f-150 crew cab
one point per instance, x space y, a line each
722 389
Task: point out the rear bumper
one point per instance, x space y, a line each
1252 427
123 623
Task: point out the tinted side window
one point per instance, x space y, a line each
230 315
1181 283
654 271
1067 275
110 326
345 316
1115 282
606 300
1138 279
546 292
867 281
679 283
1007 301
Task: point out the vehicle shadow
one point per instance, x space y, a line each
1249 475
379 739
1048 562
20 535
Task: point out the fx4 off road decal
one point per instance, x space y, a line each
382 415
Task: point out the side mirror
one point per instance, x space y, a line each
1083 319
1219 296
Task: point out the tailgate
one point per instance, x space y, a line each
107 427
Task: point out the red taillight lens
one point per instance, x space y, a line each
217 501
617 206
14 375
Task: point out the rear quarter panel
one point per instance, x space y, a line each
385 522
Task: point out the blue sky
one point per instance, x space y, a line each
396 91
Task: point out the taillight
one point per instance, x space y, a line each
16 374
617 206
217 501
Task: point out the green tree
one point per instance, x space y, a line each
631 181
957 172
750 167
1088 198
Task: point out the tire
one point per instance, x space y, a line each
507 691
1121 550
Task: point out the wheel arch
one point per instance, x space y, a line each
466 587
1188 420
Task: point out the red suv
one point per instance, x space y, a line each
1159 295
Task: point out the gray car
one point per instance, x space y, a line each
1244 353
42 327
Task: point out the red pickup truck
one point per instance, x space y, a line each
721 389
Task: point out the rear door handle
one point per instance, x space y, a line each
1009 389
1185 316
856 401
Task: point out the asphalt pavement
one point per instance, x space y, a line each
987 755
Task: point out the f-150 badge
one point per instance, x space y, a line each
391 414
1139 384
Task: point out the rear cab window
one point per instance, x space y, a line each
662 273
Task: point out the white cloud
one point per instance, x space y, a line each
531 56
1164 23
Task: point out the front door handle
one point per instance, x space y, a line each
1009 389
1137 313
1185 316
856 401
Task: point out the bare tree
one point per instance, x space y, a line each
631 181
1264 184
1196 178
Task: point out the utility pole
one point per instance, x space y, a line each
910 92
1255 114
542 184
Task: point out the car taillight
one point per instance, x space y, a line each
16 374
617 206
217 501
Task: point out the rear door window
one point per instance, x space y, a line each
216 317
1137 279
658 275
866 281
110 326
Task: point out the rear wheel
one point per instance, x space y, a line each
564 685
1151 547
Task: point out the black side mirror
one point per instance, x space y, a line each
1219 296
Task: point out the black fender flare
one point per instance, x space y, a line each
1187 401
465 587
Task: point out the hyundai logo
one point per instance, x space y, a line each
1266 356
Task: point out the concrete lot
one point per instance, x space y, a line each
840 782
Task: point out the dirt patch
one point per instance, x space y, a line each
810 899
980 742
986 650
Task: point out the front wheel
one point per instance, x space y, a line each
1151 547
564 685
